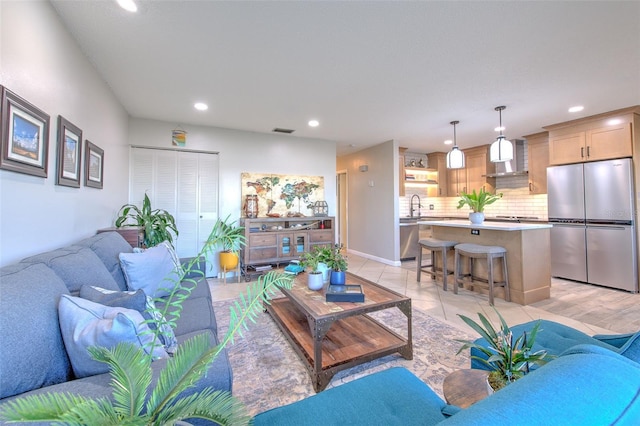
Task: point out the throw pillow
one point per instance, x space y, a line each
84 323
139 301
157 270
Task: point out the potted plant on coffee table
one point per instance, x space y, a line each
477 202
337 261
507 358
157 224
310 260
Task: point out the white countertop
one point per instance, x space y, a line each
496 226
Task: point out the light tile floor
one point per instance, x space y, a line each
588 308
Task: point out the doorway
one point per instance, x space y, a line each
342 208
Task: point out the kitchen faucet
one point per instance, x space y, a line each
411 209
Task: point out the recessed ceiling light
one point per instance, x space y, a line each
448 142
576 108
314 123
128 5
201 106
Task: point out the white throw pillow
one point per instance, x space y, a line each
156 270
84 323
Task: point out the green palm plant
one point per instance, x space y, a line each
134 401
157 224
478 201
507 359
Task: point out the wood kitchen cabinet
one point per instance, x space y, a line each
538 156
600 137
438 161
478 165
456 182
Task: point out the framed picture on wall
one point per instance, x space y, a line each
24 132
93 165
69 153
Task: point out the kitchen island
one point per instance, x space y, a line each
528 253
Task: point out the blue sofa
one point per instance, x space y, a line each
589 385
33 358
557 338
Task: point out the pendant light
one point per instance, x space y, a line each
455 157
501 149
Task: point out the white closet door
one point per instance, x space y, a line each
186 185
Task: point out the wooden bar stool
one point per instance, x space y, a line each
476 251
435 246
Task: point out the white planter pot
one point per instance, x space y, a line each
476 218
315 281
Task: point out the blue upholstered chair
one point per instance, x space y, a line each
557 338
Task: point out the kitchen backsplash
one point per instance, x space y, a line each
516 201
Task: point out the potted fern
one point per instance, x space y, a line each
506 358
310 259
157 224
135 400
477 202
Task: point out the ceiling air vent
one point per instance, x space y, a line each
281 130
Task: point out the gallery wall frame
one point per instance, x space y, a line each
24 135
93 165
69 153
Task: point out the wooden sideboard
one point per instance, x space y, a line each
280 240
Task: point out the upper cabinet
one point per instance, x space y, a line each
438 161
599 137
538 156
478 165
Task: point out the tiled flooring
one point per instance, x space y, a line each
591 309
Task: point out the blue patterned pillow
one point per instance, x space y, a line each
84 324
139 301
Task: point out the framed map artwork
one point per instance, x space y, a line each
284 195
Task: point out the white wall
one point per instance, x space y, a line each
40 61
242 151
372 200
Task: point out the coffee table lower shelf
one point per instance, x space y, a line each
344 342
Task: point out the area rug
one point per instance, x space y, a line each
267 373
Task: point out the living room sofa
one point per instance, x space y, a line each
556 339
588 385
33 356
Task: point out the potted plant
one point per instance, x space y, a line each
231 239
135 400
310 259
157 224
338 264
477 202
508 359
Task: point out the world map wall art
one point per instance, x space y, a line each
283 195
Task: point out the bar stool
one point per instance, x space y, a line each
435 245
476 251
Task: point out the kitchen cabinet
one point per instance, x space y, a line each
438 161
538 156
478 165
456 182
280 240
601 137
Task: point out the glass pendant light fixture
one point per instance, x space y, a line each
455 157
501 149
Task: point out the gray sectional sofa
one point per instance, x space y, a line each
33 358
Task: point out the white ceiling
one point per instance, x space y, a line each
369 71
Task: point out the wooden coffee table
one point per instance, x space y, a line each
333 336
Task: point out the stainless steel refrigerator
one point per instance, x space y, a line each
593 238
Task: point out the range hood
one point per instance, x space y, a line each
514 167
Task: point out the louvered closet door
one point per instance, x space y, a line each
183 183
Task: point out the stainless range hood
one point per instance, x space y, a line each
514 167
